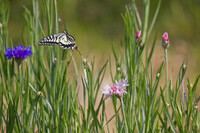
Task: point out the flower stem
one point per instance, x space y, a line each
166 80
123 112
112 117
166 74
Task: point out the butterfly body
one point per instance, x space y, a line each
65 40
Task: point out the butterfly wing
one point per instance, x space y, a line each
52 39
67 41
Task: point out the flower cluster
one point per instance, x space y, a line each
18 52
165 40
118 89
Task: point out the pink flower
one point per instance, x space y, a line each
118 89
138 38
165 40
165 37
138 35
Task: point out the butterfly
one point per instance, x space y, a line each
65 40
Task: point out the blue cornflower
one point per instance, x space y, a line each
18 52
9 53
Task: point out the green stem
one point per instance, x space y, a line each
123 112
112 117
166 74
166 80
145 20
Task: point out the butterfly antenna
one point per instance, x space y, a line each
79 52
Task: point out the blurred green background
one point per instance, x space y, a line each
97 24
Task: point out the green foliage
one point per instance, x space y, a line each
40 96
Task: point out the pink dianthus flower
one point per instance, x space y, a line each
118 89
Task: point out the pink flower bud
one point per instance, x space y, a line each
138 38
165 40
138 35
165 37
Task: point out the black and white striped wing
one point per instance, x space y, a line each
67 41
52 39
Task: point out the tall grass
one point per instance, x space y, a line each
39 95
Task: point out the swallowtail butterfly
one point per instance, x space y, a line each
65 40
